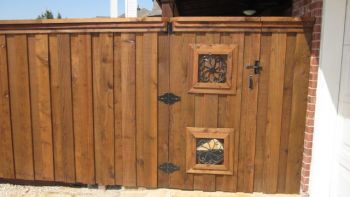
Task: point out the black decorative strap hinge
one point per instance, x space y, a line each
169 98
168 167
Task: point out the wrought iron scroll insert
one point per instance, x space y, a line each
212 68
168 167
169 98
210 151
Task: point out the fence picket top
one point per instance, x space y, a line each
156 24
159 24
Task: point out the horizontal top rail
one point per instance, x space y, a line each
158 24
242 24
149 24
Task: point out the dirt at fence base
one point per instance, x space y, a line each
10 190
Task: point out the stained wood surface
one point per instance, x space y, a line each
286 111
118 134
38 51
7 169
247 137
82 106
146 109
262 112
274 112
62 108
128 92
103 91
299 103
82 95
206 112
182 114
163 109
229 113
20 106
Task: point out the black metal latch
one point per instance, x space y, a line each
256 67
169 98
168 167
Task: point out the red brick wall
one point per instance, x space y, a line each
310 8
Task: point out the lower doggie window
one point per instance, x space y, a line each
209 150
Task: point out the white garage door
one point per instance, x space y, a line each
343 165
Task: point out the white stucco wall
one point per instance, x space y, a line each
326 134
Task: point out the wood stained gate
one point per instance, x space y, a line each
85 101
265 111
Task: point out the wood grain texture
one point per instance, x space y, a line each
128 82
262 112
286 111
274 112
163 109
206 112
248 121
92 25
7 169
38 51
181 113
299 103
83 107
20 106
62 108
103 86
118 137
146 109
229 112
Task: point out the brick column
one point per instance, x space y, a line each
310 8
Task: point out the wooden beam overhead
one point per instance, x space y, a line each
172 8
169 8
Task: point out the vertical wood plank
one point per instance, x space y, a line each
6 151
262 112
62 114
205 116
102 45
38 50
286 111
181 113
146 109
163 109
128 81
82 107
118 143
20 106
206 113
229 114
299 103
274 112
248 119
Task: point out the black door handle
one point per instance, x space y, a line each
256 67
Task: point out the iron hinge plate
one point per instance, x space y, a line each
170 27
169 98
168 167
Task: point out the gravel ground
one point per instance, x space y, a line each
9 190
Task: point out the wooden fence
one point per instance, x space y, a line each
79 101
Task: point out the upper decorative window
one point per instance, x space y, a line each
214 68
